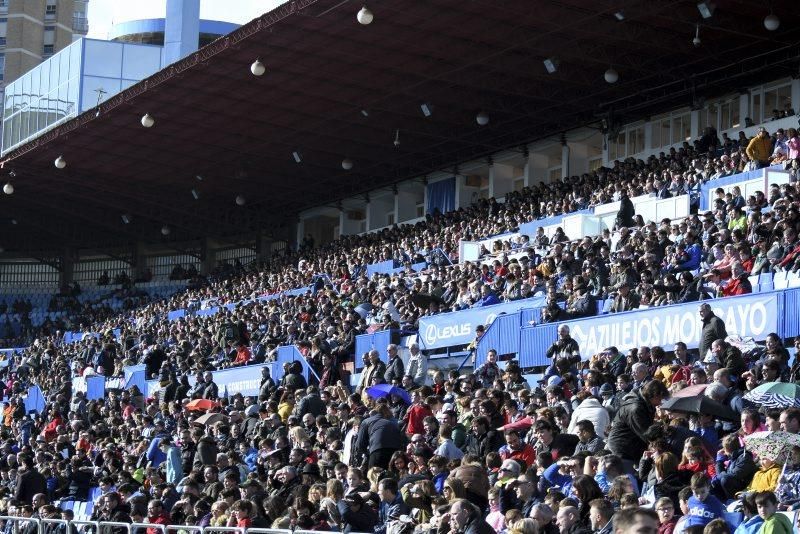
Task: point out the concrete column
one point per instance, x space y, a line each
299 233
537 168
565 151
744 107
208 259
67 275
648 135
796 94
181 29
694 121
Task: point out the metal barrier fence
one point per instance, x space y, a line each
51 526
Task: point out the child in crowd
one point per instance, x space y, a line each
438 466
666 515
703 507
774 523
496 519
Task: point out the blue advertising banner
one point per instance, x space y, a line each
175 315
95 387
458 328
753 315
135 376
383 267
34 401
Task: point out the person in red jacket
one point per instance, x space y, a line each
156 515
516 449
416 414
739 283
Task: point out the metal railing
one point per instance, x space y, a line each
107 527
23 522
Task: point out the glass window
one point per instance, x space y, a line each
755 108
635 141
139 62
103 59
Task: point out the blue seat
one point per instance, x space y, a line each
67 505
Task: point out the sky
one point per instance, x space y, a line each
105 13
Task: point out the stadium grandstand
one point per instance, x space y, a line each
434 267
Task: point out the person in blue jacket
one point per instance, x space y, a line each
703 507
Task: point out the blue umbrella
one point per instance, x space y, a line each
384 390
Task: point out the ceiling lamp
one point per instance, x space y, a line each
240 200
347 164
611 75
397 138
696 41
551 65
365 112
258 68
619 15
297 157
8 189
165 230
148 121
60 162
126 219
427 109
482 118
706 9
772 22
364 16
195 194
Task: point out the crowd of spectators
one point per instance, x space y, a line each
590 449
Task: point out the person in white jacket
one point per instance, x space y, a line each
591 410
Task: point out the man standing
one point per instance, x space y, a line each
417 365
173 460
29 482
564 349
489 371
713 329
373 368
394 369
636 412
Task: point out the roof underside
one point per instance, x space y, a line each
238 132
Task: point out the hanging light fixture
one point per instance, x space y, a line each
126 219
148 121
482 118
397 138
347 164
240 200
258 68
611 75
297 156
364 16
195 194
60 162
772 22
696 41
165 230
8 189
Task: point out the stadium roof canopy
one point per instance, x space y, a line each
336 89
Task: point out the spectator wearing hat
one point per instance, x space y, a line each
625 299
